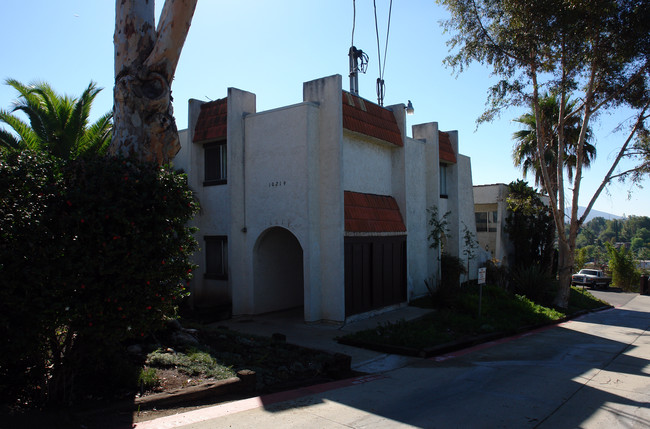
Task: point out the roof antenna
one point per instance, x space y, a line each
358 63
358 59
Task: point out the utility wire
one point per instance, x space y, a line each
377 33
390 10
354 19
380 80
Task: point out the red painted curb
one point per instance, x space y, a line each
221 410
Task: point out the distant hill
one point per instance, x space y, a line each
595 213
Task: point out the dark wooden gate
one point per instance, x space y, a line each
375 272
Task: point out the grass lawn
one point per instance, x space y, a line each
459 320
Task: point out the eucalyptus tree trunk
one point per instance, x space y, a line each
145 62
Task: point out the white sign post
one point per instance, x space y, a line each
482 272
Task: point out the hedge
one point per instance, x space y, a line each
93 252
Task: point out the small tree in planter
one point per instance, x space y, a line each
437 233
469 250
451 267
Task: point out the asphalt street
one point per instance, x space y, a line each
591 372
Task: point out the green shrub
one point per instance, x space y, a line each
496 274
451 269
624 272
192 362
148 379
94 251
581 299
532 282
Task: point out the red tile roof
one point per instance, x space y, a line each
446 151
372 213
212 122
365 117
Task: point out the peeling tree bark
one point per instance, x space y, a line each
145 62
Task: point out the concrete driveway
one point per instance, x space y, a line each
614 296
592 372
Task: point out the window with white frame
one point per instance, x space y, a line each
486 221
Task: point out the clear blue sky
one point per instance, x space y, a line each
271 47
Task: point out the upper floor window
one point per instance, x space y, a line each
486 221
215 171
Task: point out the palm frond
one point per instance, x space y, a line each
9 142
97 136
58 123
26 134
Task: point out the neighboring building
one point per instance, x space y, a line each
320 204
491 212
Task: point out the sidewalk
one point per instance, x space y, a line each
321 336
589 372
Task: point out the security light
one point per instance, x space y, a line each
409 108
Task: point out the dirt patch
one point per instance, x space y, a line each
172 379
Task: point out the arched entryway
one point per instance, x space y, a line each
278 271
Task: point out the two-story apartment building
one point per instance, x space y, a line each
321 204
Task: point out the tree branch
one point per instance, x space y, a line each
134 33
609 176
175 21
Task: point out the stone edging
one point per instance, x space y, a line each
244 382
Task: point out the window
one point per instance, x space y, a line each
216 257
486 221
481 221
215 163
443 180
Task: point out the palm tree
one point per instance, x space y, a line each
524 153
57 124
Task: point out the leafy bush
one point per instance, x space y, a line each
94 251
533 282
624 272
148 379
496 274
581 299
501 312
530 226
192 362
451 268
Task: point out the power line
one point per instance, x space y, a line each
381 87
354 19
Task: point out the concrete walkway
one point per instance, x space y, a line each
592 372
319 336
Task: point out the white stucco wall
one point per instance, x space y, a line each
416 217
367 164
213 218
466 212
426 133
277 181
